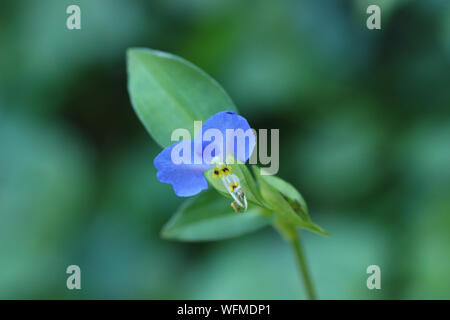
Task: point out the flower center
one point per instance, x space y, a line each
232 184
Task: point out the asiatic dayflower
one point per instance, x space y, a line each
204 153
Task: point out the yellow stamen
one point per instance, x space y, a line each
226 170
233 186
235 207
217 173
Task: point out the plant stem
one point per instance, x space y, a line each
303 268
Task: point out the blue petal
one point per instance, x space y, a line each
186 179
230 120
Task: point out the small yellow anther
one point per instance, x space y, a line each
217 173
226 170
235 207
233 186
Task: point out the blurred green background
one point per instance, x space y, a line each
364 123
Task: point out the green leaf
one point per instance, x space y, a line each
286 202
168 92
209 216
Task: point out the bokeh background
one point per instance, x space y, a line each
364 119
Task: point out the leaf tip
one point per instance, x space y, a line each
165 233
133 53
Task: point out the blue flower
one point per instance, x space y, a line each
231 133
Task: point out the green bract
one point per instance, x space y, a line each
167 93
286 202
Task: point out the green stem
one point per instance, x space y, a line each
303 268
